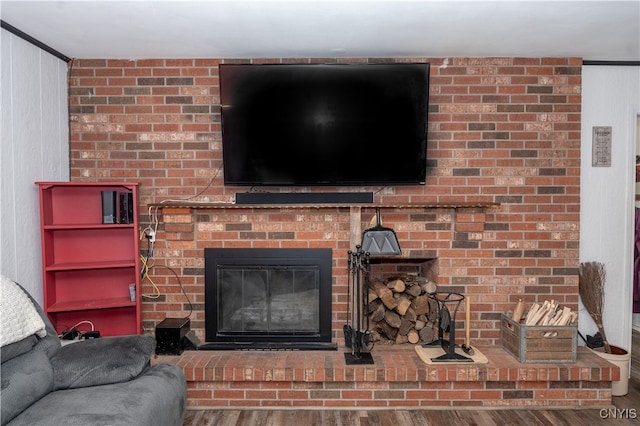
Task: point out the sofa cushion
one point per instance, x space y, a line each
13 350
156 398
25 379
101 361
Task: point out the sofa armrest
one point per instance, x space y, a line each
101 361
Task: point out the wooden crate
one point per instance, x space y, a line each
538 343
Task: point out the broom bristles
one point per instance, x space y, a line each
592 277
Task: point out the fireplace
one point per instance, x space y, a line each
269 299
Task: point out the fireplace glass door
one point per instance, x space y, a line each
277 299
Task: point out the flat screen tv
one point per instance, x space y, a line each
324 124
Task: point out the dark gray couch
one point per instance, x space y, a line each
104 381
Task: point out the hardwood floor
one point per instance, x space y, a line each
626 412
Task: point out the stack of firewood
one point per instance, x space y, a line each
549 313
400 310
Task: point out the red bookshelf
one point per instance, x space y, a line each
88 265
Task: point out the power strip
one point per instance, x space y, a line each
75 335
65 342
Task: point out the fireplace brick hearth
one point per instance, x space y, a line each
397 379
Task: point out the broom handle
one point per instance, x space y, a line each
467 330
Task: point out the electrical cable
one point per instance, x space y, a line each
145 275
168 200
157 290
146 266
181 287
379 190
150 232
93 328
70 330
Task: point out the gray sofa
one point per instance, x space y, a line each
104 381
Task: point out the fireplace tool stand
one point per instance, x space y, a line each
356 331
447 323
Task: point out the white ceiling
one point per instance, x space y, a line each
593 30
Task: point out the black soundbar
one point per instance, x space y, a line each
303 197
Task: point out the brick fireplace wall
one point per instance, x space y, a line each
501 130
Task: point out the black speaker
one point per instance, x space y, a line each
169 335
125 206
303 197
109 207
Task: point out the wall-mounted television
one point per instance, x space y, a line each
324 124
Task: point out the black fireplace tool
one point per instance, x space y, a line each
380 241
356 332
446 324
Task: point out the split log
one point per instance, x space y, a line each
386 330
421 304
393 319
411 315
403 304
533 311
374 336
400 339
413 337
385 294
372 294
414 290
405 327
427 335
429 287
376 311
397 285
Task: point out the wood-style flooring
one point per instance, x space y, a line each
626 412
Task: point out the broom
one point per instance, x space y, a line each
592 277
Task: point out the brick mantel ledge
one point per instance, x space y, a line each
398 379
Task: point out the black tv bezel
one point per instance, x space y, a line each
384 180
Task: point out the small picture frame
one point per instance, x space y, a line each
601 146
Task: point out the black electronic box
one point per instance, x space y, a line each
170 334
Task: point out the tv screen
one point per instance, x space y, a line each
319 124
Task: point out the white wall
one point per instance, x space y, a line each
610 97
35 147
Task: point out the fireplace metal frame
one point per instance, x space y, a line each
266 258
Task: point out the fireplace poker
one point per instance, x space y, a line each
359 335
348 328
354 332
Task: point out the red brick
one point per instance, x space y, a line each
491 93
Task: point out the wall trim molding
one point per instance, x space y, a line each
33 41
612 63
